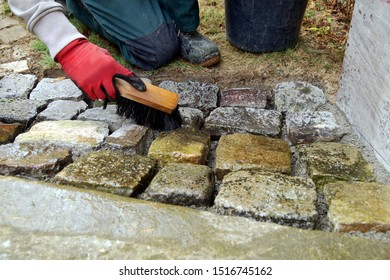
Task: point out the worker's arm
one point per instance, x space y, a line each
47 20
90 67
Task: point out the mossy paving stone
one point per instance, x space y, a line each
46 221
32 161
271 197
182 184
358 206
184 145
109 171
330 162
245 151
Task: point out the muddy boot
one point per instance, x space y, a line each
198 50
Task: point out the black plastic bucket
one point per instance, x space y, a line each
264 25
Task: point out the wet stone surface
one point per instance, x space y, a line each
183 145
245 151
244 97
309 127
330 162
130 138
85 224
109 171
202 96
182 184
78 136
191 117
269 197
19 110
49 89
298 97
17 86
107 115
226 120
32 161
358 206
62 110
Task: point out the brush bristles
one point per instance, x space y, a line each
147 116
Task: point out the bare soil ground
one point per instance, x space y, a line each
317 58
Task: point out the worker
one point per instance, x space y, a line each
149 34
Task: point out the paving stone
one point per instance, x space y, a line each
19 110
1 7
78 136
269 197
107 115
7 22
109 171
32 161
44 221
130 138
191 117
226 120
51 89
62 110
358 206
182 184
20 53
245 151
16 86
19 66
13 33
298 97
330 162
309 127
8 132
183 145
202 96
244 97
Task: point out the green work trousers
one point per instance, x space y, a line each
144 30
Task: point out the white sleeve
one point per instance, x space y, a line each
47 20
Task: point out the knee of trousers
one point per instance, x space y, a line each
154 50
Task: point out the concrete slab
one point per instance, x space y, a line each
44 221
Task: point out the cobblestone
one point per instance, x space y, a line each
181 146
49 89
110 172
17 86
182 184
50 221
358 206
269 197
245 151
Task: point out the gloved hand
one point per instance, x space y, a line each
93 69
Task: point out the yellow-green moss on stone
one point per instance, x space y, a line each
184 145
331 162
358 206
268 196
109 171
246 151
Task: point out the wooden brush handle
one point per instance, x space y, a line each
154 97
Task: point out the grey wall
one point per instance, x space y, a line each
364 93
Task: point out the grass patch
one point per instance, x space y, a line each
45 60
6 9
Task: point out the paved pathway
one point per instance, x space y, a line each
252 174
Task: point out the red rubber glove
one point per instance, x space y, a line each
93 69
